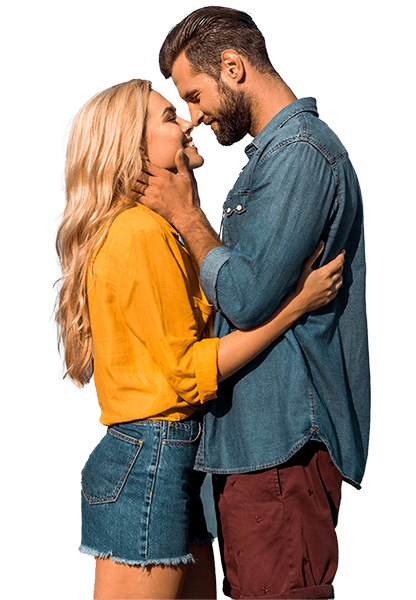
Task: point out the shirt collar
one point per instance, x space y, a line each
289 111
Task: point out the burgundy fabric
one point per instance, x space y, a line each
276 528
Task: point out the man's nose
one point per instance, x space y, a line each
196 115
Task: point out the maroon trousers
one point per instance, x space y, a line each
276 527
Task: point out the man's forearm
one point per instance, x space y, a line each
198 235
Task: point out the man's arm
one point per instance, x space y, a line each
291 194
288 198
175 197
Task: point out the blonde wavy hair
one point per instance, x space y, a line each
104 158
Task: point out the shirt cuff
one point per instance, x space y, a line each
206 368
210 268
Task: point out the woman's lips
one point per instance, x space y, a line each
189 144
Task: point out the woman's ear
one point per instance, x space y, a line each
232 66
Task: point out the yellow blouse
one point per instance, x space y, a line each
154 357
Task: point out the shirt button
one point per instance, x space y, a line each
228 210
239 207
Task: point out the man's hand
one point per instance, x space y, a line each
172 196
175 198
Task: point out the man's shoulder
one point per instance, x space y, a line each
302 127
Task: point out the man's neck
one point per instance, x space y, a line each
269 95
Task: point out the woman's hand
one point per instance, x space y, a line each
316 287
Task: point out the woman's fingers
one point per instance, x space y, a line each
315 254
337 264
335 269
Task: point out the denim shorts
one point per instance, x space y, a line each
141 501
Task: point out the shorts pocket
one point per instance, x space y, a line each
108 467
183 433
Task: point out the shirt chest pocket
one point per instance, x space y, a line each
204 315
234 213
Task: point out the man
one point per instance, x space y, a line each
289 427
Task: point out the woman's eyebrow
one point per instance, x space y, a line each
169 110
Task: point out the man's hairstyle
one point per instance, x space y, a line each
206 33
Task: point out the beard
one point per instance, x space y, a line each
233 116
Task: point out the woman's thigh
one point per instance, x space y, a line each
116 580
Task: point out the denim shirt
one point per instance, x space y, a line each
312 383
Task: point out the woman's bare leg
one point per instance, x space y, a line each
200 578
119 581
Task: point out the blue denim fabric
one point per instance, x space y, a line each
297 188
140 497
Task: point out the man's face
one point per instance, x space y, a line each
227 111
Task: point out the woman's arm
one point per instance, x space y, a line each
314 288
155 305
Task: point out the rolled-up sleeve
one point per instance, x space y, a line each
210 268
160 312
290 196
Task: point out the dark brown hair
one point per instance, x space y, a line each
206 33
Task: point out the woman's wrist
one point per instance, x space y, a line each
293 301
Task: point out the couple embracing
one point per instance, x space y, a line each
245 357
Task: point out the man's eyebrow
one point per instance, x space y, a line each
189 96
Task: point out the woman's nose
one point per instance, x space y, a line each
186 126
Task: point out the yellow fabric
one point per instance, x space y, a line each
154 357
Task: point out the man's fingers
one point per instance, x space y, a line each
182 163
150 169
139 187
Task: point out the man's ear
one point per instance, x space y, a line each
232 67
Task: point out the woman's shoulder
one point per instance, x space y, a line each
139 220
132 230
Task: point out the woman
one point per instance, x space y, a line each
131 308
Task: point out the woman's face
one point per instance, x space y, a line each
167 133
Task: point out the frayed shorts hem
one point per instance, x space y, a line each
169 562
